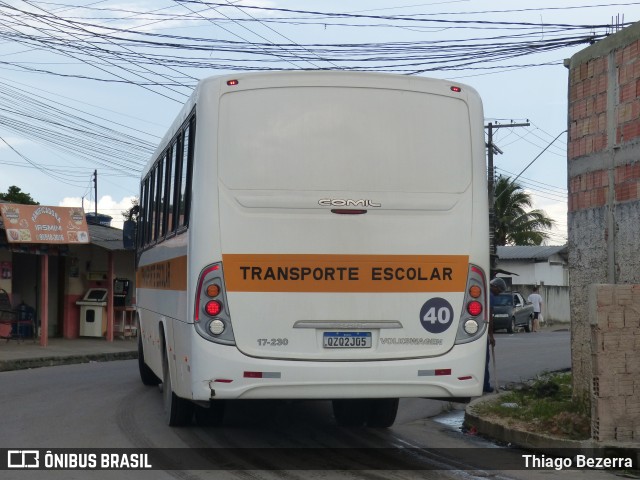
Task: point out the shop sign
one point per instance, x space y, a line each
42 224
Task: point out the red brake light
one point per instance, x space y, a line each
213 308
474 308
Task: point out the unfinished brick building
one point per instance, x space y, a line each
604 230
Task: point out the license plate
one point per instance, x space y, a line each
347 340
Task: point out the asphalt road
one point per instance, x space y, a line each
522 356
104 405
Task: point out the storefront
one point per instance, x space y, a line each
50 257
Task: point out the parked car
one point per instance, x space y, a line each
512 311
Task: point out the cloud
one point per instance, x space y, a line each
558 211
106 205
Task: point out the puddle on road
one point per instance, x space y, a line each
453 419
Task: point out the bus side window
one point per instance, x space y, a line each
159 206
144 213
184 183
151 219
164 206
172 163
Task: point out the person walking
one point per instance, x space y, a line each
536 300
496 287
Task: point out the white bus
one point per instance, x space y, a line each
315 235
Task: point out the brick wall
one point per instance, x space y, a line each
603 184
591 112
588 85
615 389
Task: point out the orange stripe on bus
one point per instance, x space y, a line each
345 273
166 275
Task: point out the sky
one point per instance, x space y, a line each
92 85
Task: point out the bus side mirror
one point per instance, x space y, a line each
129 235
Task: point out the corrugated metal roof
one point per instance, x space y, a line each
108 238
541 252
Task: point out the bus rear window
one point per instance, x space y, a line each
335 138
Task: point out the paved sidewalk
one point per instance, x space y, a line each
16 355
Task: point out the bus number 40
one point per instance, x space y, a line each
439 315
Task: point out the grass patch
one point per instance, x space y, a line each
543 406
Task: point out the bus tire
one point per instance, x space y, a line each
382 412
146 374
350 412
178 412
212 416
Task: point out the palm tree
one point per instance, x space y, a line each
514 223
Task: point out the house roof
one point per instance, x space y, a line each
108 238
541 252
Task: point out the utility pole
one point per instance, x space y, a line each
491 149
95 190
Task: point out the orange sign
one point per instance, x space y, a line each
40 224
345 273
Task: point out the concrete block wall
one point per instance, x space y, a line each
604 180
615 343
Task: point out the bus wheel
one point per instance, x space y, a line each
350 412
146 374
177 411
212 416
382 412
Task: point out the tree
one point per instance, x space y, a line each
16 195
133 212
516 224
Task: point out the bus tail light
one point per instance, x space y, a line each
474 308
213 308
473 319
212 318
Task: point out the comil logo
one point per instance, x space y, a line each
341 202
23 459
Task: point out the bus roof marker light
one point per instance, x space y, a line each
456 89
232 83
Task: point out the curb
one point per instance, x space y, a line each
539 442
513 435
22 364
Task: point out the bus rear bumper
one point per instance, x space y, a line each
458 374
